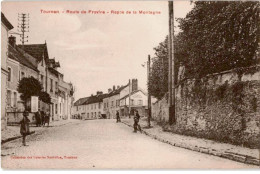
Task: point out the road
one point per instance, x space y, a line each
96 144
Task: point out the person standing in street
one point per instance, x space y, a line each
47 118
136 121
42 118
24 129
38 118
117 117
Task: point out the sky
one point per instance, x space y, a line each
97 51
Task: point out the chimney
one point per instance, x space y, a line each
134 84
109 90
114 87
12 41
118 86
99 92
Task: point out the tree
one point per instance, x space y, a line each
29 86
158 79
219 36
45 97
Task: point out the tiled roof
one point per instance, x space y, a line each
15 54
81 101
6 22
36 50
115 92
95 99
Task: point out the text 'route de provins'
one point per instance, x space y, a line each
96 12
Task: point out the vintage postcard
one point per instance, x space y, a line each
130 85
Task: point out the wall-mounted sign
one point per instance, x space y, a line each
34 103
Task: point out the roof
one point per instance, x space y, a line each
133 92
37 51
80 101
115 92
91 99
15 54
6 22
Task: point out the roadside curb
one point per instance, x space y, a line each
223 154
14 138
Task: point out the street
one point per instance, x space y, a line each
96 144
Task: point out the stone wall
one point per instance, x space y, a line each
160 110
223 107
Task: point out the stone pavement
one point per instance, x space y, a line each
13 132
229 151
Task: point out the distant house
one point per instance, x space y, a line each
138 101
90 107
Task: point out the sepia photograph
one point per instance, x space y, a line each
123 85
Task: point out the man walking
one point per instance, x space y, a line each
117 117
136 121
24 129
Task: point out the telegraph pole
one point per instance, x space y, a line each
129 98
171 87
149 96
23 26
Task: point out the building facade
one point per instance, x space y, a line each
33 61
5 27
138 101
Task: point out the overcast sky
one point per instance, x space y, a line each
97 51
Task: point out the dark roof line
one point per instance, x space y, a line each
6 22
18 56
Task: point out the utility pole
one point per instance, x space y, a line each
171 87
149 96
129 98
23 26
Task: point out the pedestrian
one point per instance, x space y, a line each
38 118
42 118
47 118
24 129
136 121
117 117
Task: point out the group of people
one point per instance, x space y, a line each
42 118
136 120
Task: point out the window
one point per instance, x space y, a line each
15 99
9 95
51 90
140 102
9 74
112 103
77 108
56 108
56 86
99 105
42 79
22 75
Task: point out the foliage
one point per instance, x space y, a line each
219 36
45 97
158 79
29 86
